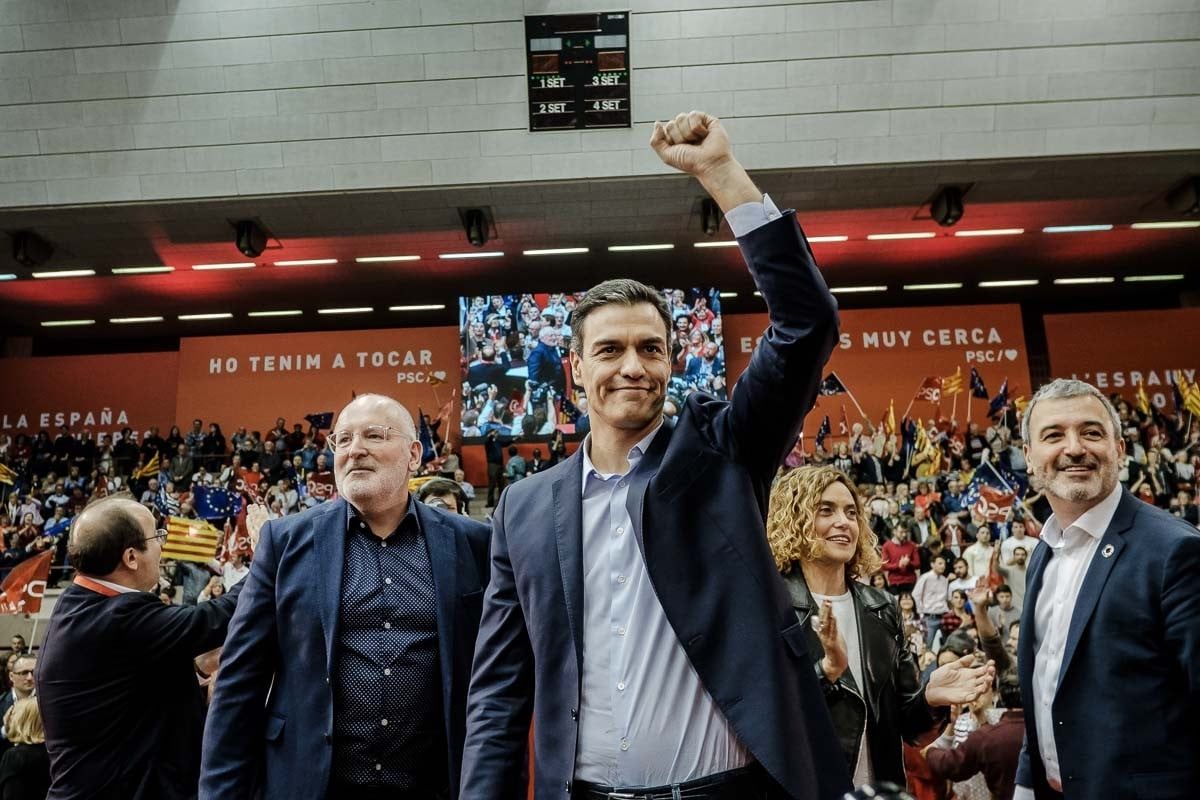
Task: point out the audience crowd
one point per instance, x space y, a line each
958 574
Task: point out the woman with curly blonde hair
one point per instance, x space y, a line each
825 549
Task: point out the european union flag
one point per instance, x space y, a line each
1000 401
321 420
832 385
978 390
823 431
212 502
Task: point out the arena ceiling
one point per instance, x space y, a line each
845 202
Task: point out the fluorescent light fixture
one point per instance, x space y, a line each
1076 228
233 265
727 294
821 239
427 307
346 310
285 313
857 289
66 273
1075 281
632 248
1007 284
132 320
383 259
758 294
65 323
881 237
726 243
476 254
306 262
198 317
7 276
991 232
1165 226
1150 278
140 270
556 251
920 287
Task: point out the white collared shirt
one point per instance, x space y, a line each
1073 550
116 587
644 717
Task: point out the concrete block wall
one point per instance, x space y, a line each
125 100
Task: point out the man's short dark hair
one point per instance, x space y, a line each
102 533
1022 549
512 450
620 291
1010 689
1004 587
440 487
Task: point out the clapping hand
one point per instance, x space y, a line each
835 661
981 595
959 682
257 515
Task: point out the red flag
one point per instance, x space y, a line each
995 505
931 389
23 589
843 424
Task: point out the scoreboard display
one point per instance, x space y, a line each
578 71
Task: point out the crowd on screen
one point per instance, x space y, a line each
947 562
515 378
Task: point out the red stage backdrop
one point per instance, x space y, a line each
251 380
1117 350
884 354
102 394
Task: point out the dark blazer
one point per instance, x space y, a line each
24 772
701 494
118 693
271 720
1127 711
891 707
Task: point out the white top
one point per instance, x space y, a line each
931 593
1012 543
1072 553
847 622
979 559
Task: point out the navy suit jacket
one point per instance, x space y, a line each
270 724
118 693
1127 711
701 494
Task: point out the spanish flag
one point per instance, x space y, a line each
190 540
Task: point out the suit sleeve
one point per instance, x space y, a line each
233 737
1181 612
174 631
955 763
500 700
1024 766
778 388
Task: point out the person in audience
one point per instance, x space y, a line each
900 560
821 544
443 493
979 555
115 683
930 594
346 667
25 766
21 669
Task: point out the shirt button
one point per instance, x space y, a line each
620 579
383 544
621 484
621 686
383 722
388 581
387 626
624 744
620 530
379 767
620 631
387 670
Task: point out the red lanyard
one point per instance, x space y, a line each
95 586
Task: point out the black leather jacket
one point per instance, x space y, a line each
893 703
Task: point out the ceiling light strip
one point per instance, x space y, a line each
385 259
857 289
1081 281
231 265
66 273
922 287
1008 283
723 243
306 262
7 276
883 237
199 317
1076 228
347 310
140 270
727 294
133 320
281 313
556 251
427 307
64 323
634 248
480 254
1165 226
991 232
1151 278
827 239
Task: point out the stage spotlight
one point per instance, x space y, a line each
1185 198
30 250
710 217
250 238
476 225
947 207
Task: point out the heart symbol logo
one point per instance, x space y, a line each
1011 355
440 374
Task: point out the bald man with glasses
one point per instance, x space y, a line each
346 668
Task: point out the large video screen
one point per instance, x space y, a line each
516 377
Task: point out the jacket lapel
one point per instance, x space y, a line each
1097 574
567 492
639 479
329 530
443 560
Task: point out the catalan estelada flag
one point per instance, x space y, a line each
190 540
